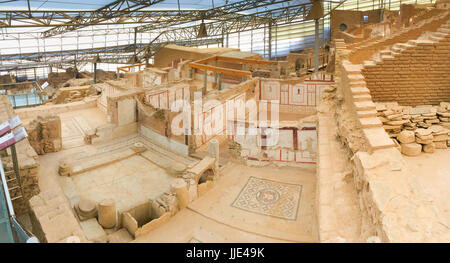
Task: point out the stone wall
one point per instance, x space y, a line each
44 134
419 74
365 50
28 164
392 204
416 128
72 94
52 218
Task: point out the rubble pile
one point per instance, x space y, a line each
44 134
416 129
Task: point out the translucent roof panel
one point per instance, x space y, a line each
96 4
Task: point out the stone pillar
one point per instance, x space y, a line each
316 46
95 73
215 73
219 81
107 214
205 84
180 187
214 151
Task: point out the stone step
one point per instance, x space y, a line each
412 42
378 138
368 63
384 57
362 97
367 113
357 84
436 39
157 159
352 69
439 34
397 45
364 105
405 45
424 42
96 161
444 30
372 122
360 91
355 77
377 60
397 49
385 53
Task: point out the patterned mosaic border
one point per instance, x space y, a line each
269 198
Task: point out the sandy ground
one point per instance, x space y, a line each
128 182
433 172
74 125
339 212
248 204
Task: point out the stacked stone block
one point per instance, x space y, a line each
416 129
44 134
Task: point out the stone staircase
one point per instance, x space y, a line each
360 94
365 109
382 48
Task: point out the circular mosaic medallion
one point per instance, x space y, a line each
268 196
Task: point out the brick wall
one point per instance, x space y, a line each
359 55
420 74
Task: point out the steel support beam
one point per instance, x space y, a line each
118 9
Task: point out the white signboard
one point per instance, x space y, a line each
9 125
45 85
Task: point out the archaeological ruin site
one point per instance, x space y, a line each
306 121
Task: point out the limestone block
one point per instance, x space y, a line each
138 147
429 148
214 150
71 239
204 187
180 187
153 224
441 137
395 116
373 239
438 129
65 169
444 114
441 144
424 141
411 149
423 132
107 214
176 168
86 209
93 231
120 236
157 210
406 137
129 223
395 123
445 125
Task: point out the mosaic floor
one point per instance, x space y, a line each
275 202
269 198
